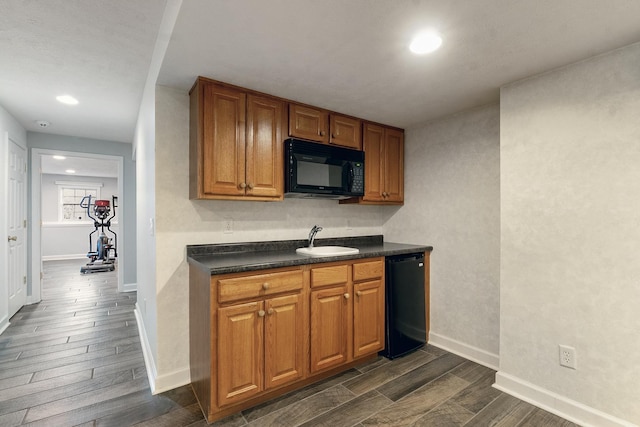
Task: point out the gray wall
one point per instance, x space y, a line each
93 146
146 305
452 201
570 208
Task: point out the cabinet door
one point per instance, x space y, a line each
308 123
345 131
284 340
329 308
240 352
373 145
264 157
224 140
394 170
368 318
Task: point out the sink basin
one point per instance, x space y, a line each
319 251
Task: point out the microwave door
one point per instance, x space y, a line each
317 174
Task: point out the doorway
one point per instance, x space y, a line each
16 222
61 229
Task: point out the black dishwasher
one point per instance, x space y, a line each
405 323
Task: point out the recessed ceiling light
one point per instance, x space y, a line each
57 157
425 42
67 99
70 171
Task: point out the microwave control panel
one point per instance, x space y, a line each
358 178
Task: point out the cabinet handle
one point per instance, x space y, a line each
359 293
261 313
250 186
12 238
333 135
265 286
385 194
322 133
346 296
243 185
271 311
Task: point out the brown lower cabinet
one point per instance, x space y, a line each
252 336
256 335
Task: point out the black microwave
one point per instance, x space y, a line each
318 170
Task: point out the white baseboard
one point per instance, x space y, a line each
31 300
63 257
149 363
4 324
475 354
158 383
172 380
129 287
564 407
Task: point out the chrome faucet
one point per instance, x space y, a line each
312 234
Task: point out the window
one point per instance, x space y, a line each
70 196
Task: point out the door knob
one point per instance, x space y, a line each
265 286
14 238
261 313
243 185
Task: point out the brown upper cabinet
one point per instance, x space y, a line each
384 166
320 125
308 123
235 143
345 131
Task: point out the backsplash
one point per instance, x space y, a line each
289 219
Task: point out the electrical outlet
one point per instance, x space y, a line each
349 226
228 226
567 356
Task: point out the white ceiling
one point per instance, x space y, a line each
349 56
97 51
352 56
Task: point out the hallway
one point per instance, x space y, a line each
76 357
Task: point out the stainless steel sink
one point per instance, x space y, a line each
319 251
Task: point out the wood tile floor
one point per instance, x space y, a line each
75 360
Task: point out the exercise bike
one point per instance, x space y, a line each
104 257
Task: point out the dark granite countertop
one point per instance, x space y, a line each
251 256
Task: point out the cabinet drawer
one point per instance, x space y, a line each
325 276
258 285
367 270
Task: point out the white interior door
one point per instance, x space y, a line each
17 227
